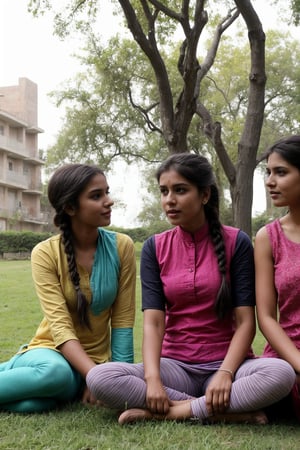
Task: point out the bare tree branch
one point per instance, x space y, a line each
144 113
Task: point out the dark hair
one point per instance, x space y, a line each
288 148
198 171
64 188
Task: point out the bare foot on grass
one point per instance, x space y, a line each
135 415
140 415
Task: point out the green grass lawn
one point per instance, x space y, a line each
77 427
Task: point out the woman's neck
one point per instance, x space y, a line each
85 239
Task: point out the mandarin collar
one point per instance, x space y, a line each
197 236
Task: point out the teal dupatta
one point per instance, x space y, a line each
105 272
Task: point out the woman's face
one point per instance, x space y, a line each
282 181
94 204
182 202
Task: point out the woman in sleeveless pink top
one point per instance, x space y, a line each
277 260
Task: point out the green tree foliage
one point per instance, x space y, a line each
224 92
102 121
169 98
295 7
226 88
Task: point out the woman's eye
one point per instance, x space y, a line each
96 196
281 172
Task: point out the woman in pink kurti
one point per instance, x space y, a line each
198 302
277 260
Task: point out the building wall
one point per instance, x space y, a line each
21 101
20 166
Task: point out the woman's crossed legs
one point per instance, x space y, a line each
258 383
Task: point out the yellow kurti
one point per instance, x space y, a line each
59 304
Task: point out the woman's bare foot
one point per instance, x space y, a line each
136 415
181 411
181 402
255 417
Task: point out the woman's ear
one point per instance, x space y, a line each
70 210
205 195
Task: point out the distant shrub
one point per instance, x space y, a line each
142 233
20 241
138 248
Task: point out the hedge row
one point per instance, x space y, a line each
141 234
24 241
16 241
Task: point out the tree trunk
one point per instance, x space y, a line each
175 121
242 188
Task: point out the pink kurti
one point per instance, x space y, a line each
286 255
180 275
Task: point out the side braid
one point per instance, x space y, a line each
82 304
197 170
64 188
223 303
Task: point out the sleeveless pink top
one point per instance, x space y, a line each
286 255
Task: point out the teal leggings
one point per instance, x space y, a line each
37 381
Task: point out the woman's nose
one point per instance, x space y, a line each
109 201
269 180
170 198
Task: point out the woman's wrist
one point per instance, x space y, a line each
230 372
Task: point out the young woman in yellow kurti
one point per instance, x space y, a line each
85 280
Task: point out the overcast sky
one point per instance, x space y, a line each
29 49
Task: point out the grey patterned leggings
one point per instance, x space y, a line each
258 383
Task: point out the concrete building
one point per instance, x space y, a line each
20 165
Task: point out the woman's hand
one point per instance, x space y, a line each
217 394
157 400
219 388
88 399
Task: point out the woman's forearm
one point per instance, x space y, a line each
241 340
153 333
280 342
77 357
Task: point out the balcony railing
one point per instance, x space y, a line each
22 214
20 181
15 178
13 146
17 148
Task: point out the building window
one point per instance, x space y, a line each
10 166
1 130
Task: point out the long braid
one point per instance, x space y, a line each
197 170
64 189
223 303
82 304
